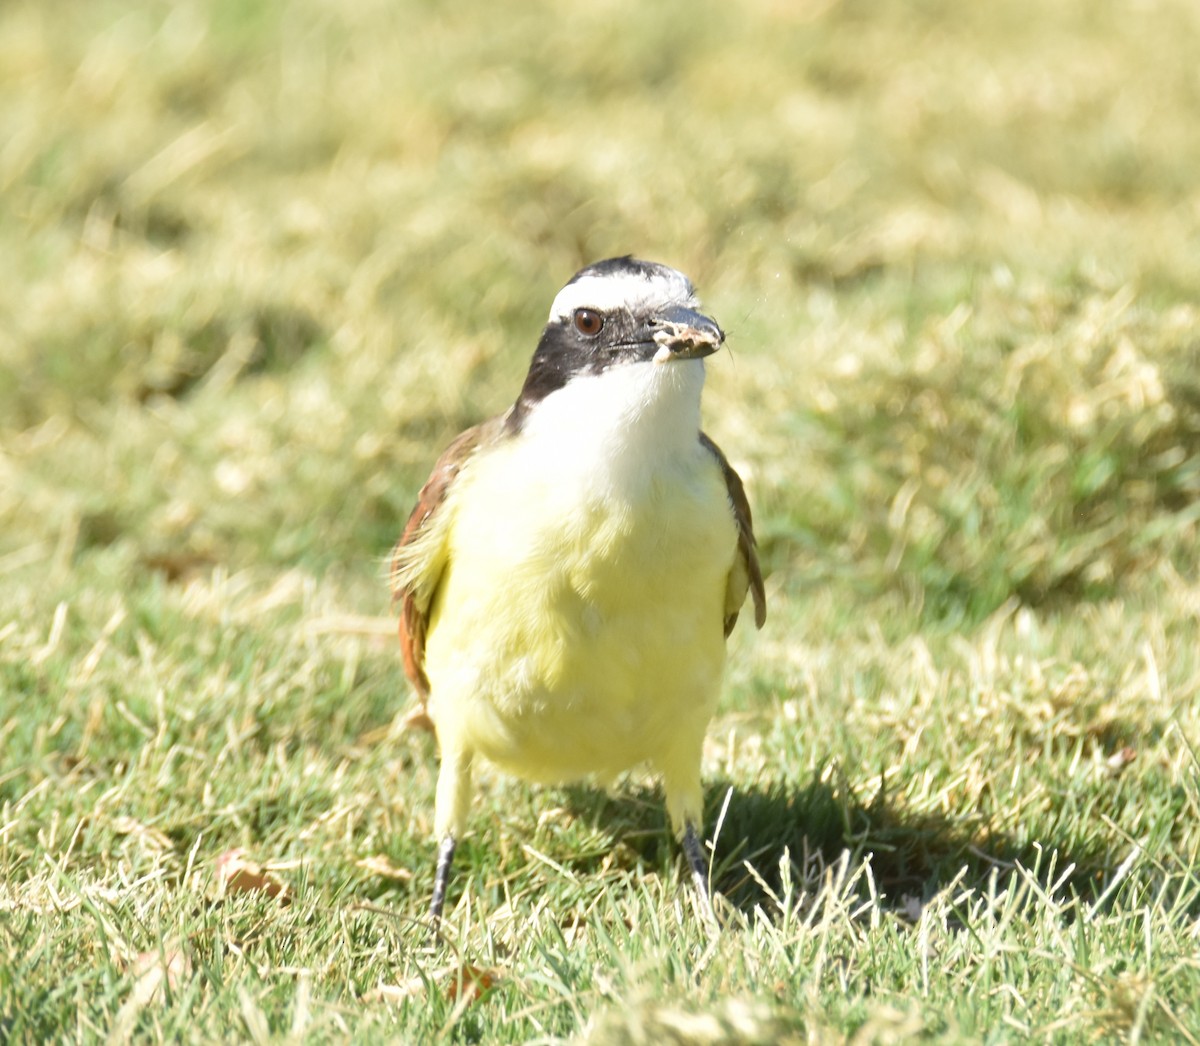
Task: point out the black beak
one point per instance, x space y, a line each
684 334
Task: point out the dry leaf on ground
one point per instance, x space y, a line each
237 873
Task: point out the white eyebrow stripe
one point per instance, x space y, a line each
630 291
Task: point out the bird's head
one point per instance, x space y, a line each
624 310
615 313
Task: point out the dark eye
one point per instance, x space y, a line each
588 322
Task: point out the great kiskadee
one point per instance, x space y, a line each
573 566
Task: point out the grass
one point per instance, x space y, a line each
260 262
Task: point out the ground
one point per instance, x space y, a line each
260 263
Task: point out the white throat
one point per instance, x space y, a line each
628 420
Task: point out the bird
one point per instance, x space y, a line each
573 566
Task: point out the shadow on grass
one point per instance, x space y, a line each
912 854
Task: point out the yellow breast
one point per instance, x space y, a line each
578 628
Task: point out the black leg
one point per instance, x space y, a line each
699 866
441 880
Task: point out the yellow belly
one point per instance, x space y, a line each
579 630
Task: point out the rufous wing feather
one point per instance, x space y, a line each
419 558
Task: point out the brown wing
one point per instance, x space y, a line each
418 560
746 574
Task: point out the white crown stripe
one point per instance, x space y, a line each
631 291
